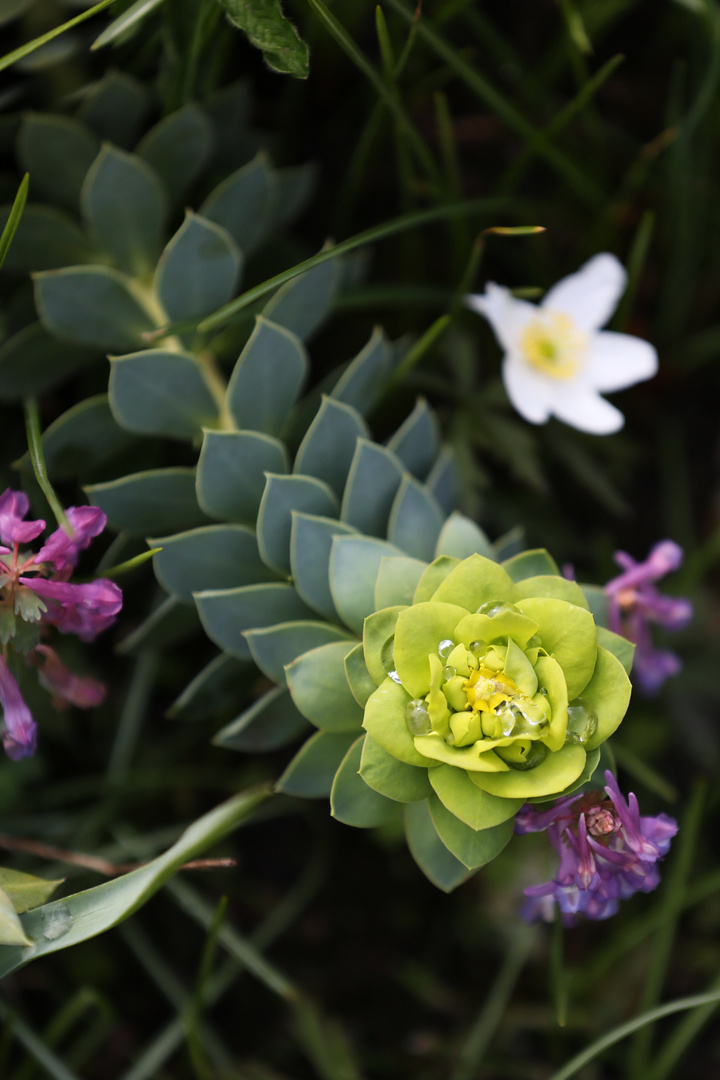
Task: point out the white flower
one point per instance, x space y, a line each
557 359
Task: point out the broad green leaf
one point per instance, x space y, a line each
417 441
11 929
608 693
392 778
352 801
26 891
220 688
460 537
159 392
170 622
329 444
91 305
198 270
227 613
231 472
267 378
293 188
33 361
473 849
179 147
319 687
427 849
418 632
311 540
552 586
476 808
597 601
397 580
83 439
268 30
415 520
83 915
303 303
432 578
619 646
551 776
443 481
311 772
568 633
475 581
530 564
282 495
359 679
510 543
373 481
47 140
45 239
116 107
149 503
361 383
378 632
354 565
211 557
271 722
242 203
277 646
384 720
124 205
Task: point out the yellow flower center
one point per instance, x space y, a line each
553 344
487 689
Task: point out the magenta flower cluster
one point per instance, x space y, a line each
36 594
607 852
635 603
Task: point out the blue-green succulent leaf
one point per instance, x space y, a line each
45 140
178 148
91 305
311 772
160 392
304 302
32 361
242 203
277 646
415 520
199 269
510 543
354 565
352 801
619 646
597 601
473 849
311 541
149 503
222 685
397 580
329 444
115 107
378 630
270 723
531 564
227 613
45 239
443 481
231 472
362 381
460 537
267 378
319 687
211 557
427 849
359 679
373 481
417 441
282 495
392 778
83 439
124 205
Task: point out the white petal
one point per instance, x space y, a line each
578 406
591 295
507 315
615 361
530 391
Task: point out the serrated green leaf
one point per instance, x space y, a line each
283 495
415 520
373 481
231 472
44 141
211 557
271 723
427 849
83 439
272 649
460 537
311 540
199 269
354 565
33 361
303 303
392 778
160 392
268 30
26 891
360 385
352 801
242 203
179 147
397 580
227 613
327 449
221 687
91 305
267 378
46 238
318 686
417 441
149 503
311 772
473 849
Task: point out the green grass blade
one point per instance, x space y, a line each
14 219
135 13
417 351
681 1038
24 50
129 564
37 457
34 1045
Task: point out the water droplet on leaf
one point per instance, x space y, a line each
582 721
56 921
417 717
448 672
394 676
496 607
445 647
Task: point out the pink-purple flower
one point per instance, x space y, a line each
634 603
607 853
36 594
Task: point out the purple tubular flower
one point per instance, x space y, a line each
14 506
86 693
634 603
20 734
64 550
85 610
607 852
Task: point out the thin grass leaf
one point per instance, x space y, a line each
129 564
324 1043
83 1001
682 1037
134 14
194 1014
35 1046
131 718
14 219
645 774
37 457
386 50
635 266
24 50
415 354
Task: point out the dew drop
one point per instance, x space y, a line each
394 676
476 648
496 607
449 672
417 717
582 721
445 647
508 716
56 921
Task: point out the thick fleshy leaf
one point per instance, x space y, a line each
568 633
211 557
352 801
608 693
415 520
124 205
397 580
619 646
198 270
83 915
373 481
283 495
476 808
231 472
591 767
556 772
227 613
476 758
531 564
416 442
392 778
43 142
362 381
384 720
473 849
311 772
597 601
33 361
26 891
460 537
476 581
378 632
11 929
443 480
429 852
354 565
303 303
271 722
91 305
242 203
553 587
148 503
418 632
159 392
329 444
178 148
45 239
432 578
294 187
552 680
319 687
267 378
218 689
83 439
311 540
510 543
171 621
115 107
480 627
359 679
272 649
